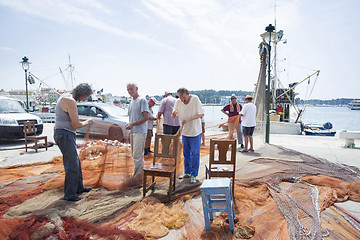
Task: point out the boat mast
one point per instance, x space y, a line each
274 78
71 69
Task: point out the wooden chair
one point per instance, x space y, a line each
222 165
166 146
30 134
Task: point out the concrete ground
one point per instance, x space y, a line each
330 148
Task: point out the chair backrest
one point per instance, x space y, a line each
166 146
29 128
222 147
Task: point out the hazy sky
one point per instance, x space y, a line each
167 44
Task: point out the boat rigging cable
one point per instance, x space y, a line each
41 81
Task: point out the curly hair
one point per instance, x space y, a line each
82 90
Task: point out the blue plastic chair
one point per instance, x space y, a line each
214 193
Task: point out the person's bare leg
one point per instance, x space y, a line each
246 137
251 143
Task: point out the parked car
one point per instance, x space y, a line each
109 120
12 118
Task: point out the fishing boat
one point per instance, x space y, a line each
285 115
319 130
354 105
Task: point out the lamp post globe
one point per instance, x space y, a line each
25 65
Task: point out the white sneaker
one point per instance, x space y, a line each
193 179
185 176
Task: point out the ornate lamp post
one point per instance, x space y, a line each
25 65
267 35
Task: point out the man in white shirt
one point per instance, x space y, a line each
189 109
248 114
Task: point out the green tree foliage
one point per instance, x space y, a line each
338 101
213 97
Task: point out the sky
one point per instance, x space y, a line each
165 44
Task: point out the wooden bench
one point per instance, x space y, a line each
350 137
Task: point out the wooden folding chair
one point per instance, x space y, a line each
221 164
30 134
166 146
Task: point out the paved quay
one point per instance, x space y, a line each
12 152
329 148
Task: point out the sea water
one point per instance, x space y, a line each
342 118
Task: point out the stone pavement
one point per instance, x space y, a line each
330 148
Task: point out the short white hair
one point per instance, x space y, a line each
132 84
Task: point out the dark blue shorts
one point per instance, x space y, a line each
171 130
248 131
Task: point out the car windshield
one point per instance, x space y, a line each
10 106
115 111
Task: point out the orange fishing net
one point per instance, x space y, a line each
105 164
277 203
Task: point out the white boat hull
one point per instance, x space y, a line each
355 105
285 128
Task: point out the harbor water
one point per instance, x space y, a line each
342 118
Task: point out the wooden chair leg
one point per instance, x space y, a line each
25 144
36 146
170 187
153 185
144 184
46 146
174 183
233 185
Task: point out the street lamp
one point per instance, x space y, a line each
25 65
267 35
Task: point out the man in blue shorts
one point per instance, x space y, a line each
248 114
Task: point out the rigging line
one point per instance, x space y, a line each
293 87
78 75
317 76
289 60
41 81
46 77
313 86
300 66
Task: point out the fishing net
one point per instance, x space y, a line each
285 195
106 165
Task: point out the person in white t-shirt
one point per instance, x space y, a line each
189 109
248 114
149 134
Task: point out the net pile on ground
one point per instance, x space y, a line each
286 200
106 165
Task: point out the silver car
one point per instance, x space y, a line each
109 120
12 118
